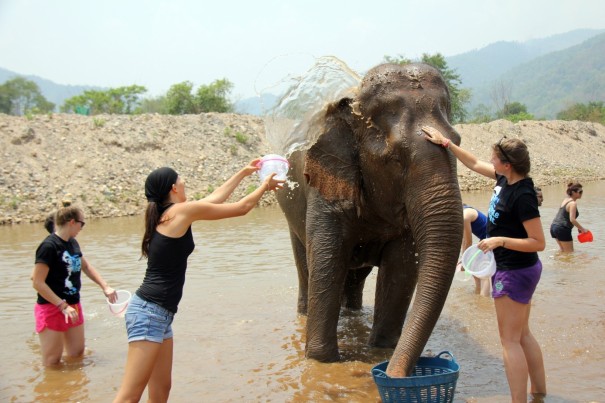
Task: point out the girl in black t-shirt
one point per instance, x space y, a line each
515 235
56 278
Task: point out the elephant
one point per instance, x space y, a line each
371 191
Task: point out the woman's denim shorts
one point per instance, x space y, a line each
147 321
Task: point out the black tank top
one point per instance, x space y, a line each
562 217
166 267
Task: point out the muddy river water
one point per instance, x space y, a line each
238 337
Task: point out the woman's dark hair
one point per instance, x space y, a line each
157 191
49 222
153 216
573 187
152 219
515 152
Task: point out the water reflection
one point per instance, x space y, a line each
238 337
66 383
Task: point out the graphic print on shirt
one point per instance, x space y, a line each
74 265
492 214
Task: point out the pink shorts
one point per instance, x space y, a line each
49 316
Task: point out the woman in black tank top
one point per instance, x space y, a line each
566 218
167 243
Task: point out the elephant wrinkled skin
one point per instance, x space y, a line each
373 192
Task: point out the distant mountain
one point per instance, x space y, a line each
53 92
480 69
256 105
552 82
484 65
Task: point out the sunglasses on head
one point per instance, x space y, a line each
502 150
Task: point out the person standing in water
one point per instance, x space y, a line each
475 223
167 243
56 278
515 235
567 218
539 195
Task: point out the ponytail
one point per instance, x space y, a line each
152 219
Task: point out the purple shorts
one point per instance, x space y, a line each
518 284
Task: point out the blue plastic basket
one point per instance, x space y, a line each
434 380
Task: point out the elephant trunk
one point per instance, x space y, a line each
435 217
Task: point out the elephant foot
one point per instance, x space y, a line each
302 310
354 305
383 341
323 356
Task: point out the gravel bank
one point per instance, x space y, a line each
101 161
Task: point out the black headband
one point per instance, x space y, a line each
159 183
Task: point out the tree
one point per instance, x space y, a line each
124 100
214 97
208 98
590 112
500 93
153 105
458 96
19 96
481 114
515 112
121 100
179 100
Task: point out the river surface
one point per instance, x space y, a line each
238 337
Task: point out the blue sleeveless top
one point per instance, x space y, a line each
479 226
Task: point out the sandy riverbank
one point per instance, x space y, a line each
102 161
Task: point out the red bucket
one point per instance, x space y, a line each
585 237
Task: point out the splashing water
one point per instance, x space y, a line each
288 125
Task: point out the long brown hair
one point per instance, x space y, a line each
153 218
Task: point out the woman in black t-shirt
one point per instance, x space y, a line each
515 235
56 278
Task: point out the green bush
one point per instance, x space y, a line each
590 112
241 138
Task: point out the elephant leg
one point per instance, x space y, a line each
395 285
353 291
327 274
300 258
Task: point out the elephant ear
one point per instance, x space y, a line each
332 163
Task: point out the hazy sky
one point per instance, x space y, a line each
253 43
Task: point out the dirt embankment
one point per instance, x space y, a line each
101 162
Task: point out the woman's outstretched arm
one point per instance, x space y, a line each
468 159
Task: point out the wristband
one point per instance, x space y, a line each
62 305
446 143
